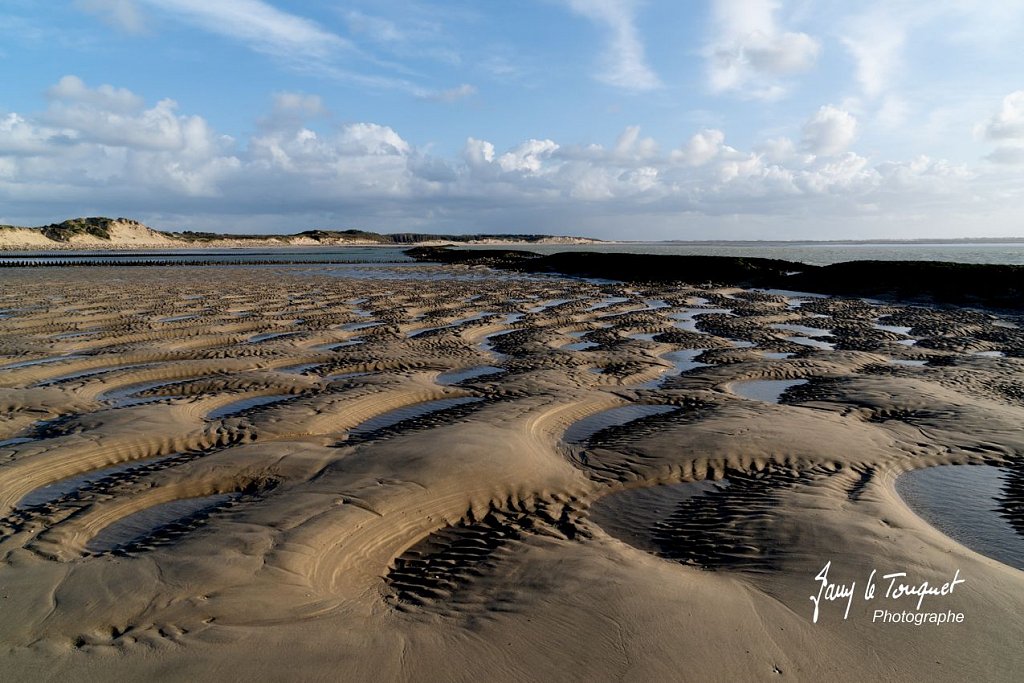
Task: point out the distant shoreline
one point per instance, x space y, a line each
922 241
255 246
126 234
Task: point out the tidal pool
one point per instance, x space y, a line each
978 506
767 390
581 430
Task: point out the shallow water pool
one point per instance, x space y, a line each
971 504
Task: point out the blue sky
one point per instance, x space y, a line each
726 119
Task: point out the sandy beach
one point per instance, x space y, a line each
455 473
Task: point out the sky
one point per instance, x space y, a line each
617 119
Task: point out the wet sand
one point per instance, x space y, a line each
280 473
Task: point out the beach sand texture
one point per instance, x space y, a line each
275 473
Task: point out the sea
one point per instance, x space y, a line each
813 253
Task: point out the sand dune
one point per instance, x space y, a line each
348 512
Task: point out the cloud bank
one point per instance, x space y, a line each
105 150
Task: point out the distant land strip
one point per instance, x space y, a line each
58 262
126 234
972 284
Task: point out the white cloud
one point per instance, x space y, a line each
478 153
529 157
1008 122
625 66
105 133
777 150
875 40
749 54
259 25
587 183
156 128
701 148
631 146
19 136
74 89
1006 128
373 139
839 173
829 132
117 117
922 170
367 155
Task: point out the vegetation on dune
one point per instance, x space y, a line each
351 235
195 236
96 226
414 237
63 232
360 235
